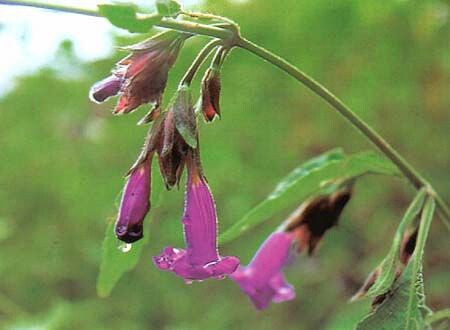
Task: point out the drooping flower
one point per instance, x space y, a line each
135 203
314 217
211 94
165 140
262 280
200 259
141 77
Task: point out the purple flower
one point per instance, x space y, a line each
105 88
200 259
141 77
135 203
262 280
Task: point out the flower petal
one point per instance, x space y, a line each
200 221
135 204
262 280
105 88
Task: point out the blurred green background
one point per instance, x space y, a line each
63 158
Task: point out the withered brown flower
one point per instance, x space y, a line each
315 216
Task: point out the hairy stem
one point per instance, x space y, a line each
202 55
226 34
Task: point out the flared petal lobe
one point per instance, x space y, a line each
200 259
135 203
262 280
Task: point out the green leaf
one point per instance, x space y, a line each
404 305
305 169
115 262
347 316
124 16
307 180
168 7
401 309
389 264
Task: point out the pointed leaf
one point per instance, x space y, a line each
307 180
115 262
394 311
389 265
124 16
404 305
168 7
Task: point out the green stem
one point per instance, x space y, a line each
437 316
195 28
217 59
208 16
168 23
408 171
233 36
202 55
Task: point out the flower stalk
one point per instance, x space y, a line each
202 55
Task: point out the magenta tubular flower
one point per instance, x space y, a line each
141 77
200 259
262 280
135 203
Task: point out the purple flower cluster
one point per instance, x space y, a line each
141 78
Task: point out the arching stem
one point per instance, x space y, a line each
231 35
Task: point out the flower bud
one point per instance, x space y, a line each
178 134
211 94
172 151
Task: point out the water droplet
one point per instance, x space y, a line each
125 247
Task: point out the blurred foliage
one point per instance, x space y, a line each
63 159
